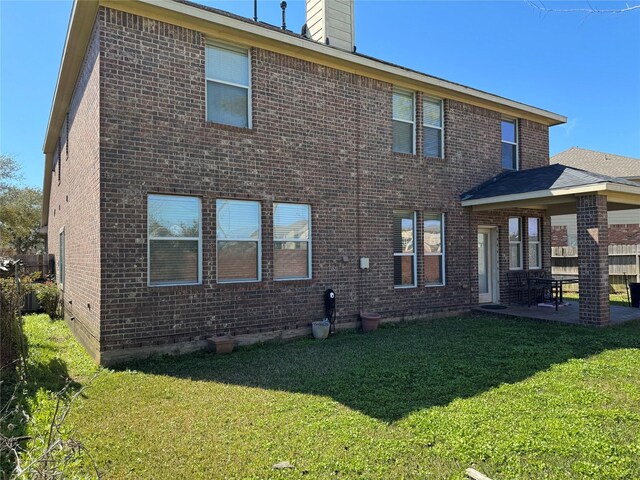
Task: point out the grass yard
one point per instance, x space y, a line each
512 398
618 298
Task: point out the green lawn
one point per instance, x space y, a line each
512 398
618 298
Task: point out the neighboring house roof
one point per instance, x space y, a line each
559 178
599 162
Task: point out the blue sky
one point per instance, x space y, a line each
584 66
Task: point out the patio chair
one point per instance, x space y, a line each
517 287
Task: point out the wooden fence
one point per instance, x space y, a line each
623 259
37 263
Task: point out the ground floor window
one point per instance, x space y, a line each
404 248
515 244
433 243
291 241
238 241
175 236
535 248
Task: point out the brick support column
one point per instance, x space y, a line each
593 259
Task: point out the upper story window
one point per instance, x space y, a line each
510 144
238 241
291 241
403 122
515 243
404 248
174 240
433 128
228 85
433 240
535 247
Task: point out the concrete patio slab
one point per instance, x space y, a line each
565 314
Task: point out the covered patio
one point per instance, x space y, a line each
567 314
559 189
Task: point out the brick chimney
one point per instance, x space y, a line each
331 22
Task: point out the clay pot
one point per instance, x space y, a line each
370 321
221 345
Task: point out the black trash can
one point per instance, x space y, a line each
634 289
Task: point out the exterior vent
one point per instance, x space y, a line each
331 22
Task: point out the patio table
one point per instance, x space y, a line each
555 285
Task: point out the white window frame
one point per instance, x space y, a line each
537 243
252 240
513 242
62 249
515 136
310 275
237 49
414 254
198 238
412 122
441 128
440 254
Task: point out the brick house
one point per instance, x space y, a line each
207 174
624 225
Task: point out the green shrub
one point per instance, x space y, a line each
50 299
11 301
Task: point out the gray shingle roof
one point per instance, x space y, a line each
538 179
599 162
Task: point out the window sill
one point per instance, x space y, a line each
238 282
404 287
436 286
294 282
429 157
405 155
173 285
229 128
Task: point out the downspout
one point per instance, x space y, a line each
361 272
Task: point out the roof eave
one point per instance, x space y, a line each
80 27
553 196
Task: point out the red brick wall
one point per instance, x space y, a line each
320 137
559 236
628 234
619 234
75 203
534 144
593 261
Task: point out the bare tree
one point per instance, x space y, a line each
589 9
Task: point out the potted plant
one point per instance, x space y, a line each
320 329
370 321
222 342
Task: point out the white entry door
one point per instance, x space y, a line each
487 267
